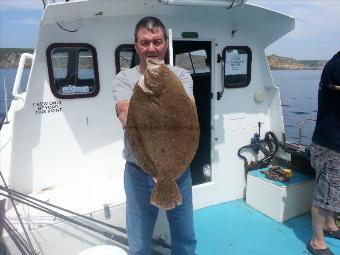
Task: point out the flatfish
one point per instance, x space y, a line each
163 131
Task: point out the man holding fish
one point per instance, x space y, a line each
160 140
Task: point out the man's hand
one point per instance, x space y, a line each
122 109
193 100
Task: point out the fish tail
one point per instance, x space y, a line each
166 194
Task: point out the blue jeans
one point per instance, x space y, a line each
141 215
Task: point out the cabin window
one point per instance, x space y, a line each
73 70
193 61
126 57
237 66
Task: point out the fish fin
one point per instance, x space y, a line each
166 194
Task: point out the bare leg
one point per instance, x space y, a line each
319 216
330 223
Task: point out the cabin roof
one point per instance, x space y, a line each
269 25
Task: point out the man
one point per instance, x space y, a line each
151 42
325 158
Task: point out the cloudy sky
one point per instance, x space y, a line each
316 34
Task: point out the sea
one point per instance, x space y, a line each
298 90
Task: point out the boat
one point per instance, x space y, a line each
61 145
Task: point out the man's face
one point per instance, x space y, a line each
150 44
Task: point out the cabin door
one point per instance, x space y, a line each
195 56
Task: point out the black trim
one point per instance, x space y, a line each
249 60
50 70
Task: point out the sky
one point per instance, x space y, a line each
316 35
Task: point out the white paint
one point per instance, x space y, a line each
279 203
219 3
104 250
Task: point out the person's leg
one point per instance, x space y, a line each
318 222
140 214
180 219
319 163
330 223
326 196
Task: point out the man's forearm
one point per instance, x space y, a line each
122 109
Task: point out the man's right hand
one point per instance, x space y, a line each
122 109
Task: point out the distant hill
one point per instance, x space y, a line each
282 63
11 56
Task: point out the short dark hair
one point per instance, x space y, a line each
150 23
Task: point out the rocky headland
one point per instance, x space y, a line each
283 63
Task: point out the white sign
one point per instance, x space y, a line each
236 64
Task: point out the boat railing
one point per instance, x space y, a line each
23 60
5 99
301 127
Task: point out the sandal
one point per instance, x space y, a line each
314 251
332 234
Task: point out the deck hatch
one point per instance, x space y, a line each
73 70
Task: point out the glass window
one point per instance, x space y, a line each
59 63
85 69
126 57
194 61
73 70
237 66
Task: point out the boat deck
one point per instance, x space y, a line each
235 228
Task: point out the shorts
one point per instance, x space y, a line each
326 163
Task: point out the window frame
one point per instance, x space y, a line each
249 61
53 86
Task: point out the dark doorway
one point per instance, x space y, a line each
195 56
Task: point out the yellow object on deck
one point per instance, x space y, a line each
288 172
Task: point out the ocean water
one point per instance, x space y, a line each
7 76
299 94
298 97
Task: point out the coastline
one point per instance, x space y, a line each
9 58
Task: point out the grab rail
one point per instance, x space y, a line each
18 77
301 126
5 94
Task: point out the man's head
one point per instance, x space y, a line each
151 39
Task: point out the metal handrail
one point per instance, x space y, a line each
18 77
6 102
171 48
301 126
